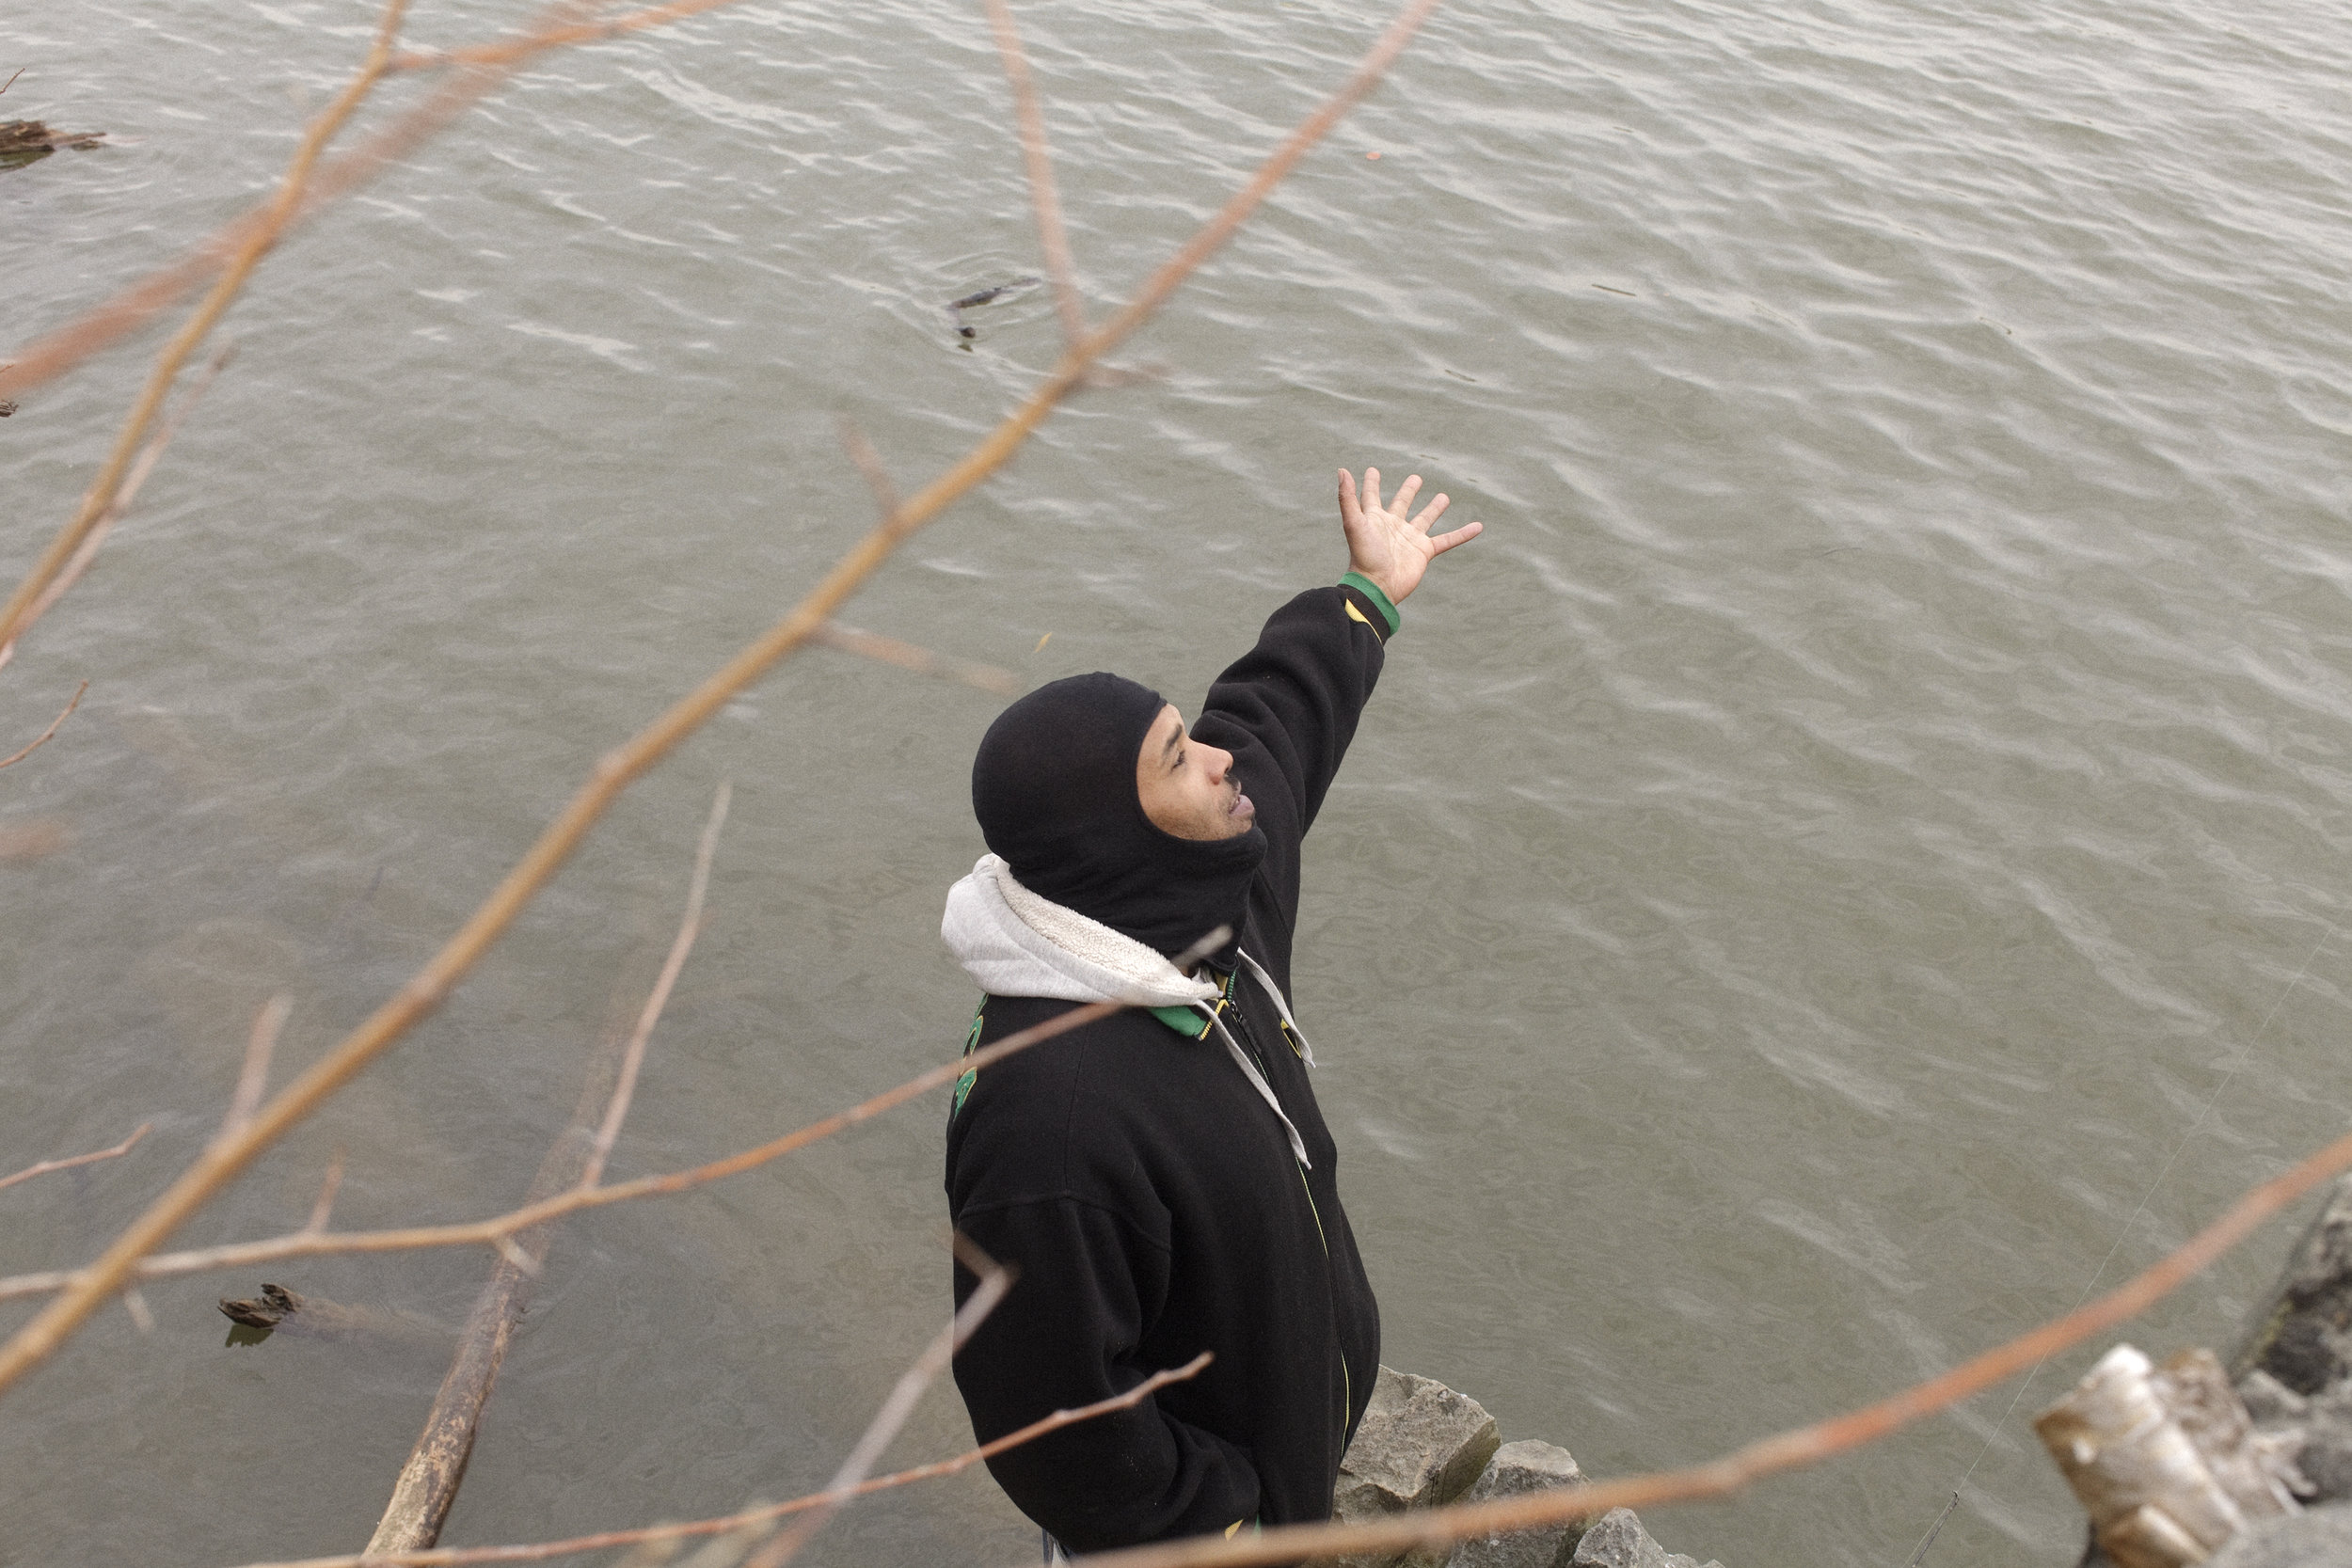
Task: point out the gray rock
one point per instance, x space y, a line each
2270 1401
1516 1468
1421 1444
2320 1538
1617 1539
2326 1456
2296 1338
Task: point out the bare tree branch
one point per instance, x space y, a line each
100 498
869 463
608 1131
428 1482
47 1166
43 738
502 1228
1044 197
53 354
325 1203
254 1077
219 1164
1784 1450
492 1232
906 656
539 1550
995 1279
514 51
124 494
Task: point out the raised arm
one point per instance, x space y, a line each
1287 709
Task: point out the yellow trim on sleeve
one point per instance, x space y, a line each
1353 613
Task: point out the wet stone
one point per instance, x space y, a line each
2319 1537
1421 1444
1517 1468
1617 1539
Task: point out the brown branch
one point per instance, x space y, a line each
869 463
906 656
47 1166
49 1328
49 356
43 738
1784 1450
491 1232
124 494
428 1482
690 926
100 498
539 1550
515 51
995 1279
254 1077
1044 197
325 1204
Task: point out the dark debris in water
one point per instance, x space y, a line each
956 307
28 141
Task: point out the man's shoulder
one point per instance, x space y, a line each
1061 1119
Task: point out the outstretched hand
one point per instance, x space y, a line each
1387 546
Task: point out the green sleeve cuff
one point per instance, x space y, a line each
1371 589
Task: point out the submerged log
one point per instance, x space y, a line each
25 141
427 1486
2165 1459
277 1308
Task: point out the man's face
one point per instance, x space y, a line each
1187 788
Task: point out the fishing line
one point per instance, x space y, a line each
2124 1234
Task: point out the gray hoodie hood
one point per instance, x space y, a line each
1016 944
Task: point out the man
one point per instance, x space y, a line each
1162 1177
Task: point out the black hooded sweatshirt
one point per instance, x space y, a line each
1147 1194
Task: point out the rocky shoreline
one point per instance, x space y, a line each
2211 1501
2293 1376
1423 1444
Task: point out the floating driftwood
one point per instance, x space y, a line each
25 141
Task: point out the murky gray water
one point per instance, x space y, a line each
1881 783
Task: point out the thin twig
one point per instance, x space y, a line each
325 1204
47 1166
218 1164
13 77
254 1077
100 498
490 1232
1044 197
1784 1450
502 1228
690 926
906 656
539 1550
869 463
43 738
995 1279
514 51
53 354
124 494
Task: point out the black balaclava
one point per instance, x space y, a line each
1054 786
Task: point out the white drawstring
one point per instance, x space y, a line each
1257 1080
1249 1068
1280 1005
